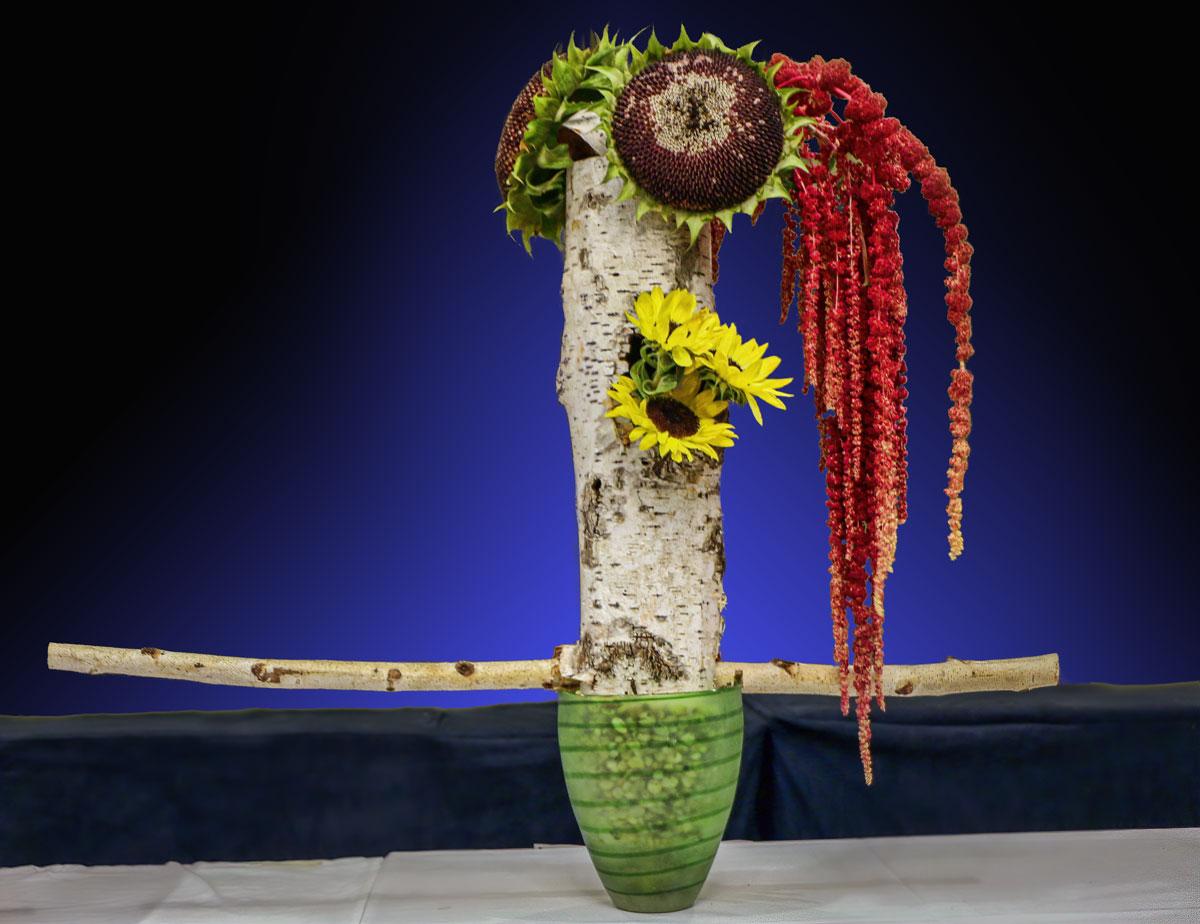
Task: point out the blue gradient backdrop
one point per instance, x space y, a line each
287 390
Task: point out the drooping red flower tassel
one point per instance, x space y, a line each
831 460
843 267
716 237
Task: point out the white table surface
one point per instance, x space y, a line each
1076 877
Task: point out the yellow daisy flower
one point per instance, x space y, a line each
674 323
678 423
741 365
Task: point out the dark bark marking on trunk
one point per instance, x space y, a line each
652 653
590 507
714 544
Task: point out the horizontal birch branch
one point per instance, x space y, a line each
777 676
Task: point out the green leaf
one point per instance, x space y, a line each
773 189
612 74
565 78
518 203
746 52
654 48
569 109
547 185
545 106
555 158
539 131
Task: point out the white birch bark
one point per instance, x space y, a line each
651 546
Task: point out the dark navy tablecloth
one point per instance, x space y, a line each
288 784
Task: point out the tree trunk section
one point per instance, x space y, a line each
651 546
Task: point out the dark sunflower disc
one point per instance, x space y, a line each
699 131
519 117
673 416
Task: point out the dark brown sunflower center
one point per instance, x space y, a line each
673 416
699 130
519 117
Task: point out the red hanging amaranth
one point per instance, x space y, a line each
717 237
843 267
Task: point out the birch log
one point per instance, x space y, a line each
651 547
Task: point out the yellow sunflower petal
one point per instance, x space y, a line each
754 408
680 305
769 364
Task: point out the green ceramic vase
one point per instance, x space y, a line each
651 780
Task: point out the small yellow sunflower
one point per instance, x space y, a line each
740 371
674 323
677 422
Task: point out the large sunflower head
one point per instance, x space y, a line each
739 370
699 132
535 182
679 422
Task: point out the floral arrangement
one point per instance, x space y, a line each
697 133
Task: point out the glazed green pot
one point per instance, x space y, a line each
651 780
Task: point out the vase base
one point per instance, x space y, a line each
657 902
